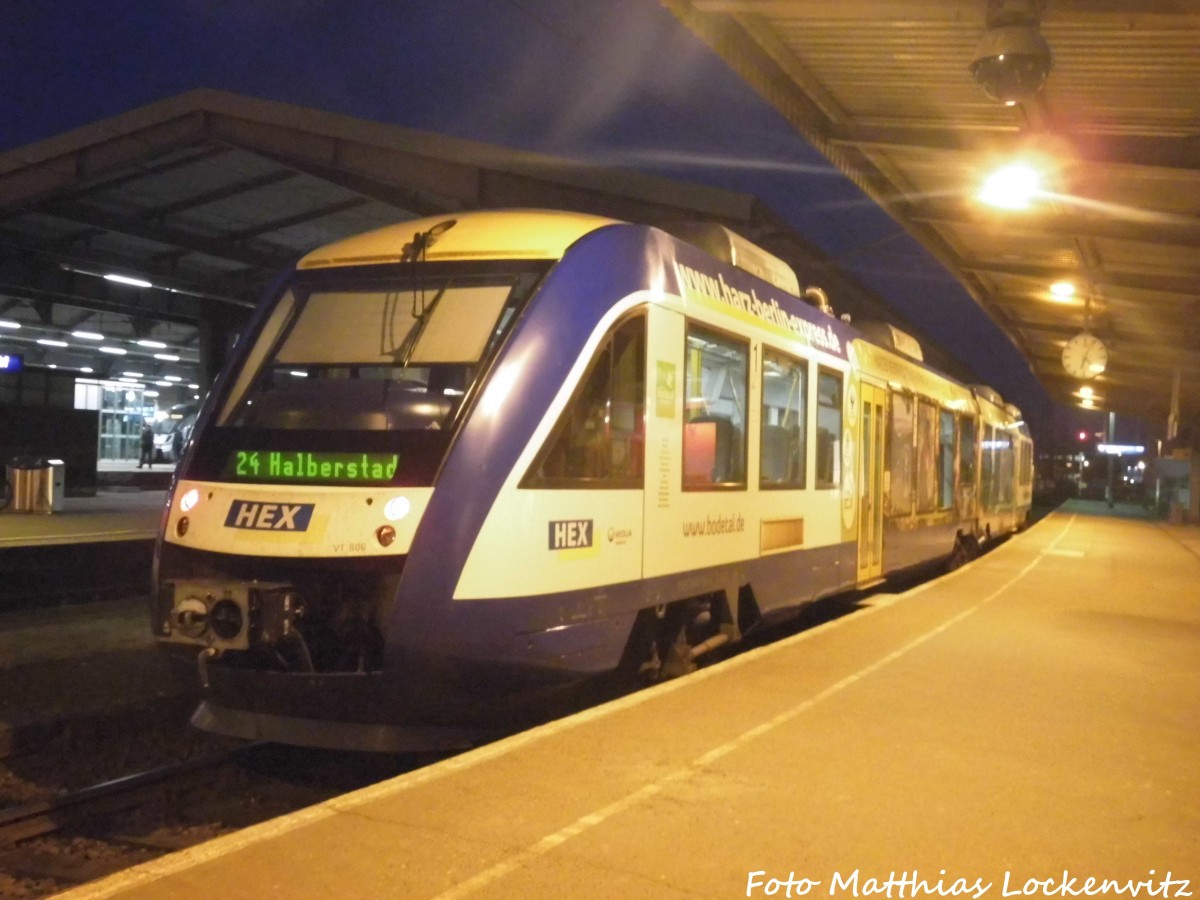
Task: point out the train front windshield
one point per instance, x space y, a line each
361 369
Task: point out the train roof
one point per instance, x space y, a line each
903 371
730 247
473 235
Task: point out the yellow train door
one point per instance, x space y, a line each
870 519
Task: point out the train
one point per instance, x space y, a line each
458 466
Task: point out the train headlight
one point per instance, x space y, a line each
385 534
396 509
181 527
189 500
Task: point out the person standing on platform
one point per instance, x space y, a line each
147 456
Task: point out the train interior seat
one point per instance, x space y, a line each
777 456
712 451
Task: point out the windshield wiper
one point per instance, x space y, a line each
421 318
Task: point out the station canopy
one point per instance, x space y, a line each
156 231
883 89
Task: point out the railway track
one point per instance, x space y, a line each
54 843
41 817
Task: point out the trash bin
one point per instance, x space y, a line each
30 484
58 484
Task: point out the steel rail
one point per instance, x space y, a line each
40 817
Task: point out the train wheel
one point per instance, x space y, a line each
670 654
966 548
667 640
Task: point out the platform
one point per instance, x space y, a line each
114 515
1031 716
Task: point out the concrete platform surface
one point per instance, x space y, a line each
1012 729
129 515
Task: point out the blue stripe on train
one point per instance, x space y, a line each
599 621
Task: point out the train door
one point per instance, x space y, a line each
870 520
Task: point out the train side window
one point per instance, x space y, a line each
599 442
829 428
784 423
946 459
901 461
927 450
714 429
966 450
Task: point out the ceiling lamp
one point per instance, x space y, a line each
1011 187
125 279
1062 290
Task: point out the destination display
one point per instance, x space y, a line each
302 465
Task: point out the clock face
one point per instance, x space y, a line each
1085 356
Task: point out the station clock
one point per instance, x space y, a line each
1085 356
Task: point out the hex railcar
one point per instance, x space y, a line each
458 465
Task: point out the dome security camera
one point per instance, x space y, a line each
1011 63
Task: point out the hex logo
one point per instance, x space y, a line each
269 516
571 534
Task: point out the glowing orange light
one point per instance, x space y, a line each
1011 187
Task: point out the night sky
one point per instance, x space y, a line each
620 83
